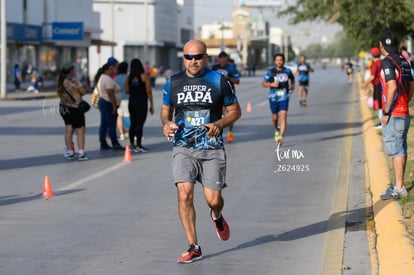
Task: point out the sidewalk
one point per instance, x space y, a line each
30 95
49 92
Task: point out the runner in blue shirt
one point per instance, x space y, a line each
304 68
281 83
232 75
192 115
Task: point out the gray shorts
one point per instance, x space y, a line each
205 166
395 136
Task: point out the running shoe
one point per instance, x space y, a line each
230 137
222 228
69 156
278 137
192 254
82 156
393 193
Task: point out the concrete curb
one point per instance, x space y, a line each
29 96
394 248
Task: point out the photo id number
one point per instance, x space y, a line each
283 168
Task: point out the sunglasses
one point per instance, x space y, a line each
195 56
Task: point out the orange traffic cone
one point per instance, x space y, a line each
249 107
47 189
127 154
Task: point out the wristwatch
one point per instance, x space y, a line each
385 113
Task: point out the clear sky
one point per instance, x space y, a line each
209 11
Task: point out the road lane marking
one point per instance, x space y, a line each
332 254
91 177
263 103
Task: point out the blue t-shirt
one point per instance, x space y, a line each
283 76
196 102
120 80
304 70
229 70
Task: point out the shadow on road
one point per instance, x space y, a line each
351 223
8 200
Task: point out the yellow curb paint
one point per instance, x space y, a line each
395 252
332 255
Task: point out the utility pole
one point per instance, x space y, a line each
146 32
3 88
112 25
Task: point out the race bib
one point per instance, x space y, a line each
278 94
196 118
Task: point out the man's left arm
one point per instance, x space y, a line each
233 113
392 88
411 91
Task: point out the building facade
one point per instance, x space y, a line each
152 30
43 34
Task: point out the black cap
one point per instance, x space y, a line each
389 41
223 54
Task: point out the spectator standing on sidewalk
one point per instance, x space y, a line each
70 91
398 88
17 77
138 86
108 106
196 97
123 112
375 79
153 75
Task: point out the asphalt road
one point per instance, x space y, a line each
296 210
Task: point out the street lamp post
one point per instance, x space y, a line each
146 31
112 26
222 27
3 88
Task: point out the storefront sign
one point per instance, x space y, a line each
23 32
63 31
67 31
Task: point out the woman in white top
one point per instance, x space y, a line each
108 105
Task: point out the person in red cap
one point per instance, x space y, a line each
375 79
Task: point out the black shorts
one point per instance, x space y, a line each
377 96
304 83
72 116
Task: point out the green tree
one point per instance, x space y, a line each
341 47
362 21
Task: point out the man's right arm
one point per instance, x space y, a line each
169 127
166 114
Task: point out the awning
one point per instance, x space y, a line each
100 42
